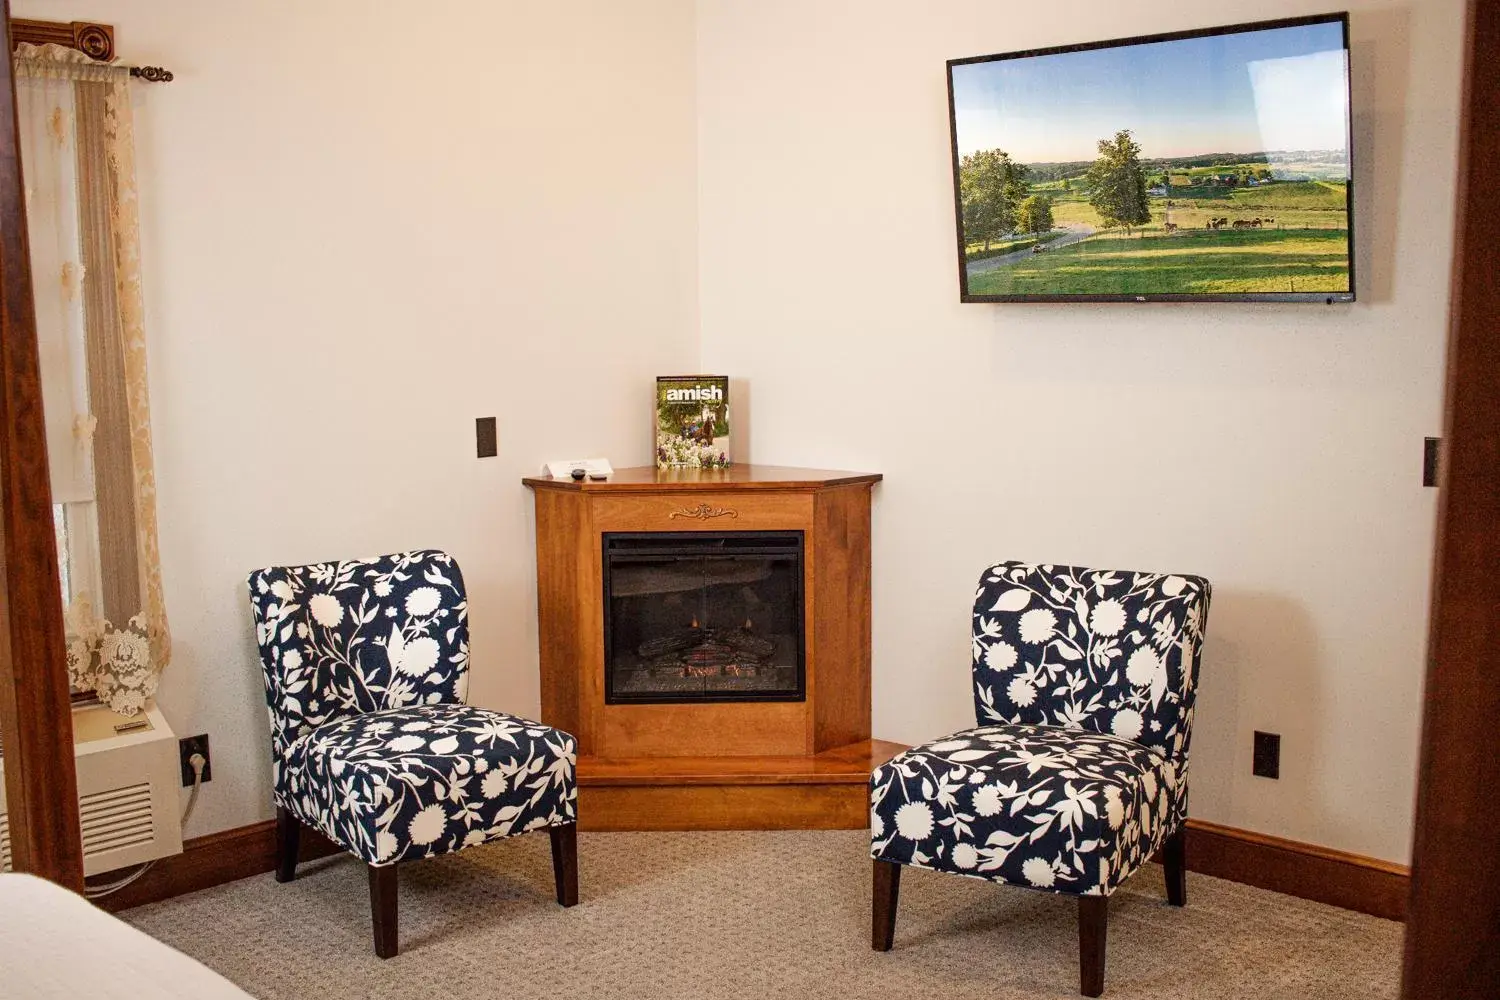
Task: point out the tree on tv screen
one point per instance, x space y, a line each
991 186
1118 182
1036 214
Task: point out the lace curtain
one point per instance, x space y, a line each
78 158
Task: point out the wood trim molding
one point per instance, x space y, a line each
213 860
1307 871
1453 937
97 41
36 721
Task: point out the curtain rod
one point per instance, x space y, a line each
146 74
97 41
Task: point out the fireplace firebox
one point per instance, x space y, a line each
703 616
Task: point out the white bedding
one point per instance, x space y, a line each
56 945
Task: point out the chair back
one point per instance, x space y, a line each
340 639
1111 651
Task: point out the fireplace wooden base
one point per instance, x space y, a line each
707 765
826 791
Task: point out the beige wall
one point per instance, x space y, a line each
358 238
1274 448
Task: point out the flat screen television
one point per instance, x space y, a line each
1209 165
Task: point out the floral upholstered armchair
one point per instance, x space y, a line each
366 668
1084 683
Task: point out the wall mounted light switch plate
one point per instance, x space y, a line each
1431 449
1267 758
486 438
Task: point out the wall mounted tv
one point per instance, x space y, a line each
1208 165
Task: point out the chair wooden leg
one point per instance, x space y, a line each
1174 861
383 909
883 898
1093 929
565 862
288 835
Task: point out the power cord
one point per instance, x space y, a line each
197 762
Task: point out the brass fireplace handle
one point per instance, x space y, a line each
703 512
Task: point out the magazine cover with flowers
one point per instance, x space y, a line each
692 422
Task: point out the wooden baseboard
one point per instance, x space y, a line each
213 860
1307 871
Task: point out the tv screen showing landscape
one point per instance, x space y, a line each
1205 165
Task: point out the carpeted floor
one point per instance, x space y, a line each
750 915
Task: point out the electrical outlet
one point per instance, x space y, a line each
1267 759
186 747
486 439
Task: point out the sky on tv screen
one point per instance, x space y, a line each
1282 89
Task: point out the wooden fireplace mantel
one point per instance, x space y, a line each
649 479
722 764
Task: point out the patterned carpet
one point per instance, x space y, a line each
751 915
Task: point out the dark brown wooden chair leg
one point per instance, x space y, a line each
288 835
383 909
886 891
1174 861
1093 929
565 862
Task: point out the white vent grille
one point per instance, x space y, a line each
117 818
112 820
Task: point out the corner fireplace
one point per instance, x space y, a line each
703 616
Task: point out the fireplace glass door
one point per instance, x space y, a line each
703 616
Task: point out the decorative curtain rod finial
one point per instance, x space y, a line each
152 74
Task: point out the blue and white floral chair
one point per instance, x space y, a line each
1084 683
366 667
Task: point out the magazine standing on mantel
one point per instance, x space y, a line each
692 422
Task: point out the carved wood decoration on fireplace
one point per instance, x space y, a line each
705 634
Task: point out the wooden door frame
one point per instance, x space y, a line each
36 719
1453 916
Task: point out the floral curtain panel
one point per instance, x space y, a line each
78 157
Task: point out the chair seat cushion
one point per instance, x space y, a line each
413 782
1061 810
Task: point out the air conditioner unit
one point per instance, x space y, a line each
129 778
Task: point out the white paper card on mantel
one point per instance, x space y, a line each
593 467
